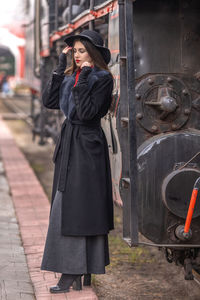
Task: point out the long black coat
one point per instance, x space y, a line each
82 168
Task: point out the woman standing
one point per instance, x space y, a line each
82 207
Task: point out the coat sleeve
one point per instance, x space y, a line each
95 102
50 95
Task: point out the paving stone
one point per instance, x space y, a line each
26 287
11 286
12 296
18 286
1 167
27 296
19 296
3 186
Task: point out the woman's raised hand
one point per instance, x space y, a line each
62 62
86 64
66 49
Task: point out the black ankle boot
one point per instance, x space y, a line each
63 285
77 284
87 280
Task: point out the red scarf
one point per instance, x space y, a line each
77 75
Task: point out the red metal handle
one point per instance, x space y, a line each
192 205
190 210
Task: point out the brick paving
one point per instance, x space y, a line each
15 282
32 211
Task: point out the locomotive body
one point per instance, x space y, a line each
167 44
167 97
153 127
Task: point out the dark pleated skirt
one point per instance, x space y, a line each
73 254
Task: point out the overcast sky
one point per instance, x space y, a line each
11 10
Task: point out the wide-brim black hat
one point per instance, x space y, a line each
95 38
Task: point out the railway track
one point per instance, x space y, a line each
19 107
22 108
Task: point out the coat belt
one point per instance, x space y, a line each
66 136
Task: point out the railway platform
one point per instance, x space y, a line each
24 218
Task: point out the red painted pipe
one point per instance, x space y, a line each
192 205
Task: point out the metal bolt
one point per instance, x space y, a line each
154 128
185 92
169 79
187 111
150 81
124 122
139 116
174 126
138 96
186 235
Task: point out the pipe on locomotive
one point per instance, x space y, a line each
192 205
183 232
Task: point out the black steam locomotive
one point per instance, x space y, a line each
153 127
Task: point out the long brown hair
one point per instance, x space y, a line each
95 55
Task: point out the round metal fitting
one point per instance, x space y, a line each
168 104
176 191
151 92
139 116
181 235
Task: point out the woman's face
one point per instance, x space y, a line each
80 54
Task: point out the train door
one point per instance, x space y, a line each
119 124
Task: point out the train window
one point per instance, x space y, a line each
101 26
27 7
7 62
62 14
82 6
98 2
78 6
61 8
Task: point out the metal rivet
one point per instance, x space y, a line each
169 79
185 92
187 111
139 116
124 122
138 96
150 81
174 126
125 183
154 128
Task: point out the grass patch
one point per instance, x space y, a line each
120 253
38 168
